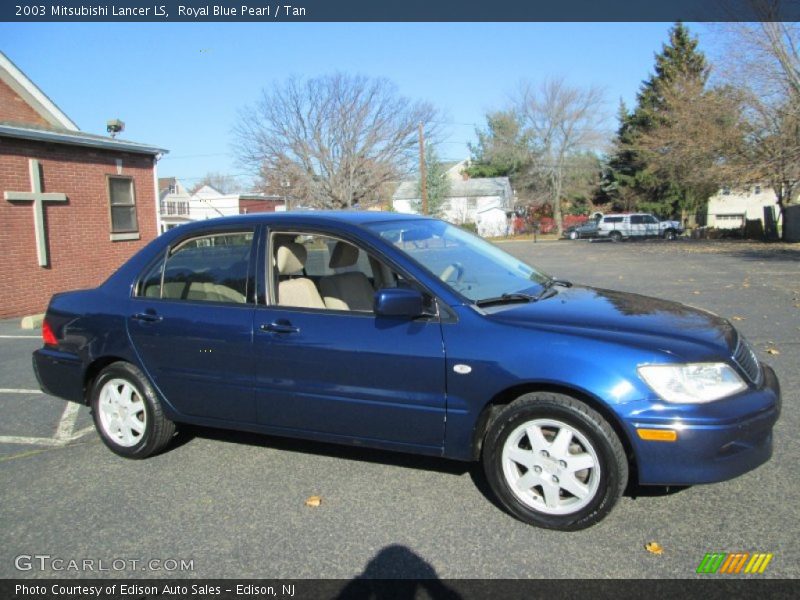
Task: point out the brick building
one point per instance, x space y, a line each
74 205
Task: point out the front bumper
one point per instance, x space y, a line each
711 446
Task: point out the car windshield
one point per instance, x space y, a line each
471 266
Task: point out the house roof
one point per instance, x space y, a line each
463 188
13 77
76 138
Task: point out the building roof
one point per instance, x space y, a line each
463 188
76 138
14 78
60 129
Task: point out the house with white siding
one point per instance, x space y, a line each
480 200
731 208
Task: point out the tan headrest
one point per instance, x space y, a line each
343 255
291 258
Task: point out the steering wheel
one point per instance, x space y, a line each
456 269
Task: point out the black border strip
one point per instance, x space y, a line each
722 587
396 11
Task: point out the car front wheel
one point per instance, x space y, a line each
127 413
670 235
554 462
615 236
573 235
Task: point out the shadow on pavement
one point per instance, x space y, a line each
397 572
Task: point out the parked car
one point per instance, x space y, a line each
617 227
407 333
585 230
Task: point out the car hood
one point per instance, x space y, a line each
608 314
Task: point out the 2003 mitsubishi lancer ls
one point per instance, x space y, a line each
407 333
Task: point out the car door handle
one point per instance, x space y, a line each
280 326
147 317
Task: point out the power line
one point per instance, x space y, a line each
169 157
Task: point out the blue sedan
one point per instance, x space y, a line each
407 333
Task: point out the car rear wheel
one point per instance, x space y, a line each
615 236
127 413
554 462
573 235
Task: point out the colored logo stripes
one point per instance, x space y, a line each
734 563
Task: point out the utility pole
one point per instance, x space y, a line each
423 176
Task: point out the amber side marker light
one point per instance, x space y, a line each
48 337
658 435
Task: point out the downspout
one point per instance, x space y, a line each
155 189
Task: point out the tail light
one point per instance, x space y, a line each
48 337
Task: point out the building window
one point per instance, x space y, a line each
122 201
757 189
726 191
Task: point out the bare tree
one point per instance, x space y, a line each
338 139
561 121
225 184
763 60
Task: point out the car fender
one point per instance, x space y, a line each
525 359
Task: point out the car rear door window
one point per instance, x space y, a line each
211 268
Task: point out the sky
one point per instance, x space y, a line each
180 86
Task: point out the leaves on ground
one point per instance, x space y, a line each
737 318
313 501
654 548
773 351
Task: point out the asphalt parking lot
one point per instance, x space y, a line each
233 504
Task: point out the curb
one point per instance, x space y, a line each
32 321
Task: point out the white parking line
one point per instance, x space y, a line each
20 337
18 391
65 431
67 423
33 441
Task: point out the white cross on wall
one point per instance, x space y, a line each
38 198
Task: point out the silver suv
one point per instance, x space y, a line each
617 227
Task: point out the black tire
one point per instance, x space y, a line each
615 236
157 430
604 482
669 234
574 235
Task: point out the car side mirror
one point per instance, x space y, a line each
399 302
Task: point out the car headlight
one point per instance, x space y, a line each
692 383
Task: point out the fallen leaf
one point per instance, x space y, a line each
696 293
772 351
654 548
313 501
738 318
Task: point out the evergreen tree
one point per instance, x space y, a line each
502 149
436 181
628 181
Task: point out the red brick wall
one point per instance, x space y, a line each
254 206
80 251
15 109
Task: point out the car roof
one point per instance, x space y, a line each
309 217
627 214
